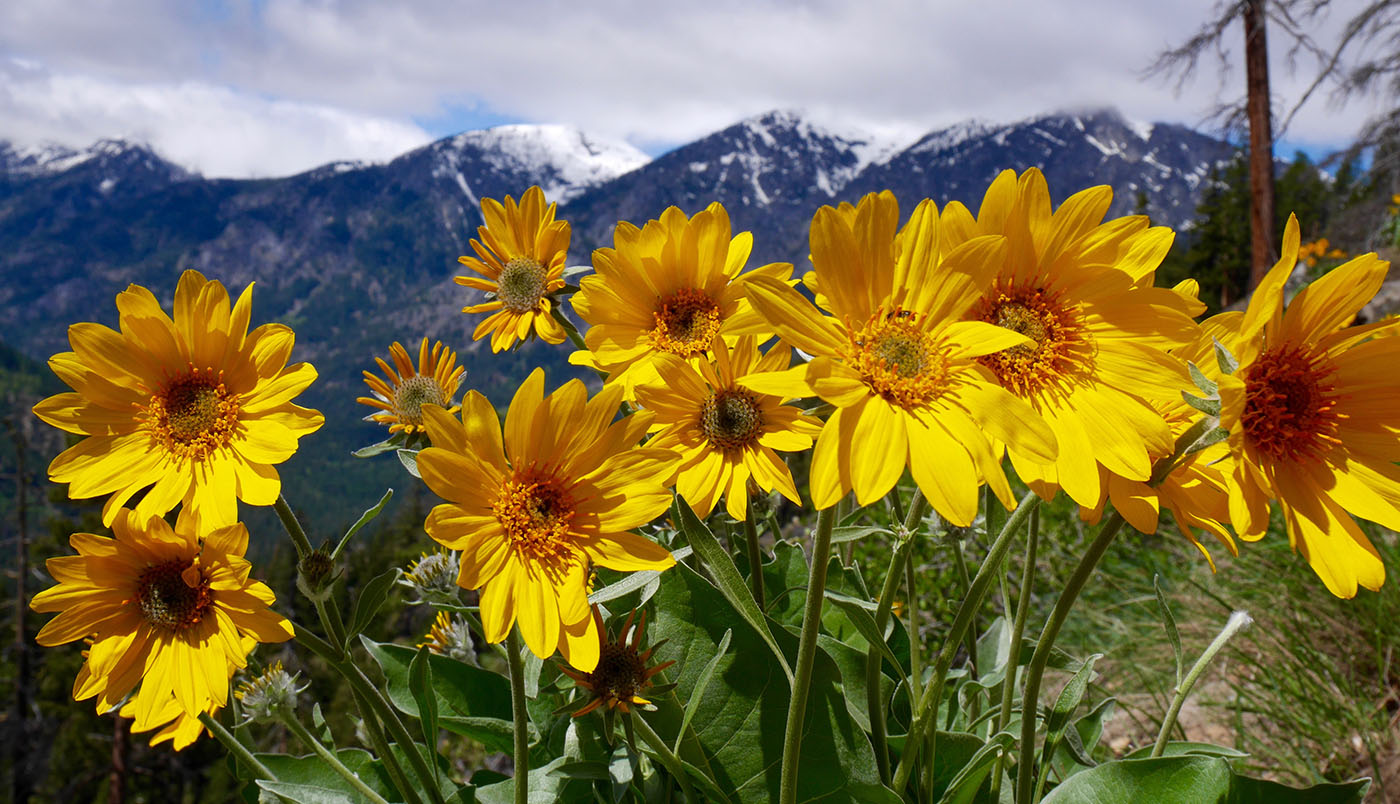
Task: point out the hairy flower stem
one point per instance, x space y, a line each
664 753
239 750
755 556
295 727
874 701
1238 621
806 654
521 717
380 744
1030 699
926 713
294 529
1013 661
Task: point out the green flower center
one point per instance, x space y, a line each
521 285
415 392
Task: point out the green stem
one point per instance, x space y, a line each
1013 662
380 744
1030 699
755 556
923 724
971 638
294 725
874 701
521 717
806 654
294 529
663 753
235 747
1238 621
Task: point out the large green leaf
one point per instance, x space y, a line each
739 724
1197 779
470 701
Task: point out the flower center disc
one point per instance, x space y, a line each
620 671
686 323
1289 408
536 514
1059 354
415 392
167 601
521 285
898 360
193 415
731 419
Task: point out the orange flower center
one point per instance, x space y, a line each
686 323
521 284
1059 352
167 600
620 673
731 419
415 392
194 414
897 359
537 513
1290 408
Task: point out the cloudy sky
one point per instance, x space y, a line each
270 87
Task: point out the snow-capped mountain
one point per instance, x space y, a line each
1166 163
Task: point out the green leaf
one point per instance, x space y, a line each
1210 407
546 787
969 779
1207 386
719 564
635 580
364 519
698 693
865 624
1073 755
471 701
1197 779
420 683
737 727
1169 623
372 599
1227 362
1211 437
1181 748
309 794
312 781
392 442
1068 701
533 666
409 459
851 533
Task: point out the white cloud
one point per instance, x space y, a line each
210 129
651 73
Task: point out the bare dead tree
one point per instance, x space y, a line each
1364 60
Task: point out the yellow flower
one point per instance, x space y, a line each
166 608
667 288
531 514
170 722
725 433
520 259
896 362
1318 249
1099 332
622 674
1311 417
197 407
402 394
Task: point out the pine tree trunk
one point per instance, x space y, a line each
1261 142
116 780
19 767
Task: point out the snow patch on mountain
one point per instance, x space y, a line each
572 159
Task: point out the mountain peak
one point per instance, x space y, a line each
570 159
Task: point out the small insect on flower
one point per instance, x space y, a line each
400 395
622 674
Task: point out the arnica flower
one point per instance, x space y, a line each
401 394
198 408
450 636
166 608
1311 416
725 433
530 515
1195 491
1099 332
667 288
622 674
520 259
897 362
1319 249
